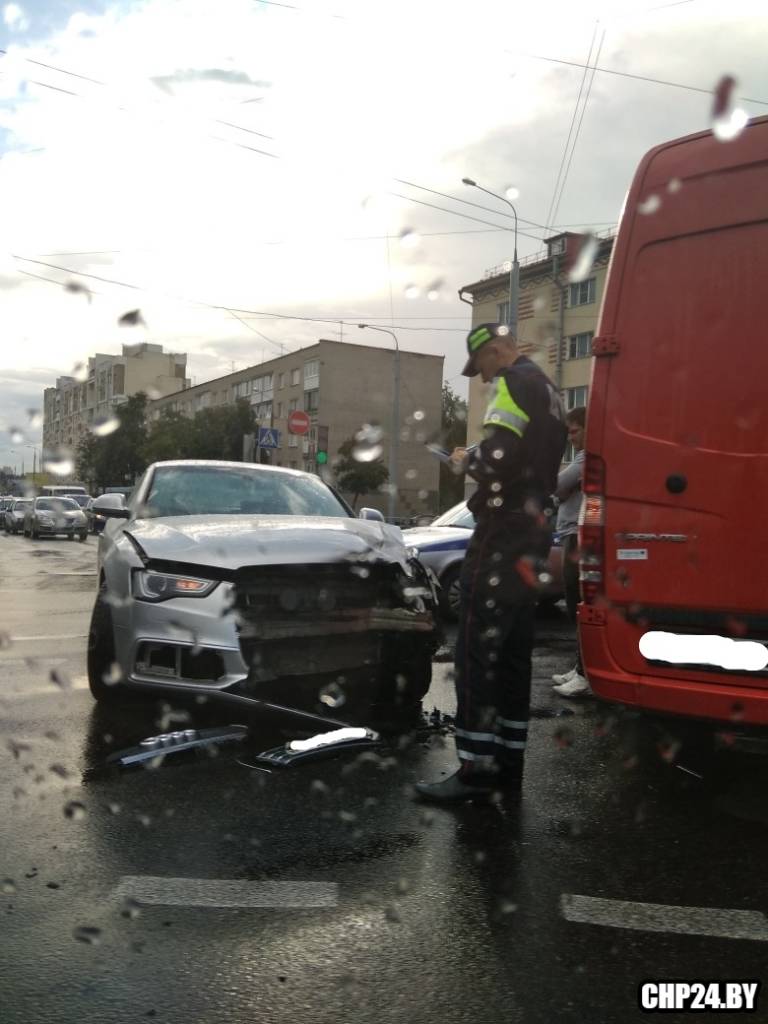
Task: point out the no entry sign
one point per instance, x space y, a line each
298 422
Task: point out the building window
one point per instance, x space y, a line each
293 405
267 378
311 374
293 441
311 400
582 293
279 411
282 380
575 397
580 345
503 312
243 389
264 412
295 377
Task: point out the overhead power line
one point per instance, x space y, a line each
638 78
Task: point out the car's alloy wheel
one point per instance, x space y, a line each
101 650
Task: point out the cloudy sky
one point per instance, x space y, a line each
267 161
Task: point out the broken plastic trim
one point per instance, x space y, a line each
324 745
175 743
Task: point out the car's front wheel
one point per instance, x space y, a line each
450 593
101 650
82 536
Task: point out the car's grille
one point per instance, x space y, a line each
313 590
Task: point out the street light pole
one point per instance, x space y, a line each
393 445
514 274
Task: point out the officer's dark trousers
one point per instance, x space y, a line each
494 645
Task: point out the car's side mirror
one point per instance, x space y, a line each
111 506
371 513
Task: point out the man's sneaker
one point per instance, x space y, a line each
578 686
563 677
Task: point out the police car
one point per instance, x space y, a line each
443 544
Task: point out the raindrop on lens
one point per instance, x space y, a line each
410 474
131 909
367 443
74 810
649 205
435 290
17 436
332 696
35 418
91 936
412 291
409 239
728 122
8 886
103 426
585 260
59 462
674 185
512 193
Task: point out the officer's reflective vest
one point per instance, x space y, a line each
503 411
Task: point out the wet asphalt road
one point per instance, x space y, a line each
207 891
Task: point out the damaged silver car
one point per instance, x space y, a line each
249 578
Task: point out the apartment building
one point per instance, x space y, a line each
557 317
70 408
340 386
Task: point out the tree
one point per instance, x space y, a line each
119 457
454 435
170 437
357 477
218 433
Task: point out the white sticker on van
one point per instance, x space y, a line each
631 554
720 651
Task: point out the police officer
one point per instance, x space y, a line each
515 467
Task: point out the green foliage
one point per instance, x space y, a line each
355 477
454 435
120 457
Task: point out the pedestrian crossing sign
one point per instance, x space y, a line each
269 437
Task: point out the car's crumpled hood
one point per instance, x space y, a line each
231 542
431 537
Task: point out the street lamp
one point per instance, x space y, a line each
395 421
514 275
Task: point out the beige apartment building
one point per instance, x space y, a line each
340 386
70 408
557 318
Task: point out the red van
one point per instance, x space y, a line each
674 534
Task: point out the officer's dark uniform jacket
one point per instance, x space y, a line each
515 467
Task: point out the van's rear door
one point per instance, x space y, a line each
685 417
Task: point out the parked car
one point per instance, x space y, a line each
50 516
228 575
443 544
81 499
96 521
13 516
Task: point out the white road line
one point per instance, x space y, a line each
659 917
215 892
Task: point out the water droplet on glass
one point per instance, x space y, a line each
409 239
60 679
319 788
411 474
494 581
412 291
649 205
114 808
103 426
674 185
435 290
85 933
74 810
60 770
132 318
728 121
332 695
582 267
5 641
512 193
35 418
563 737
17 436
8 886
367 443
80 372
59 462
130 909
77 288
113 675
393 914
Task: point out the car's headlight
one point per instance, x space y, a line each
161 586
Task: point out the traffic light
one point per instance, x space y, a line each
321 458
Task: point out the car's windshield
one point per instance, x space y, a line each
56 504
459 516
212 490
81 499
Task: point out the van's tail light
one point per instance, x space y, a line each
592 531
